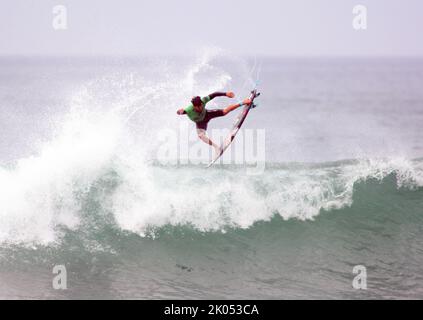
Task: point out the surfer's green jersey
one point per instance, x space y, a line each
194 115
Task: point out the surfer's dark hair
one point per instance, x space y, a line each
196 101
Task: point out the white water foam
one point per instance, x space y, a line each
210 201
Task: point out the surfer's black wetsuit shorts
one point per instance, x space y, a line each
210 114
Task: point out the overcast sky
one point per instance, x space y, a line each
273 27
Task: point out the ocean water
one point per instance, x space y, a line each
84 184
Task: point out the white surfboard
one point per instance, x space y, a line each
238 123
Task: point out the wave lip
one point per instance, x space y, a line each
36 203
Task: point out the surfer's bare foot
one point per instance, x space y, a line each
217 150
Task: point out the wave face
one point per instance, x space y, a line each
91 193
143 198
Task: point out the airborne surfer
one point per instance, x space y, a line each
198 113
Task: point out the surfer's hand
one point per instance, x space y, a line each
180 111
246 101
230 94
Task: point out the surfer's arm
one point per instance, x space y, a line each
181 111
221 94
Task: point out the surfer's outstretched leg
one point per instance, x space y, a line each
202 135
232 107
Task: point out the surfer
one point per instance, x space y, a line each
198 113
